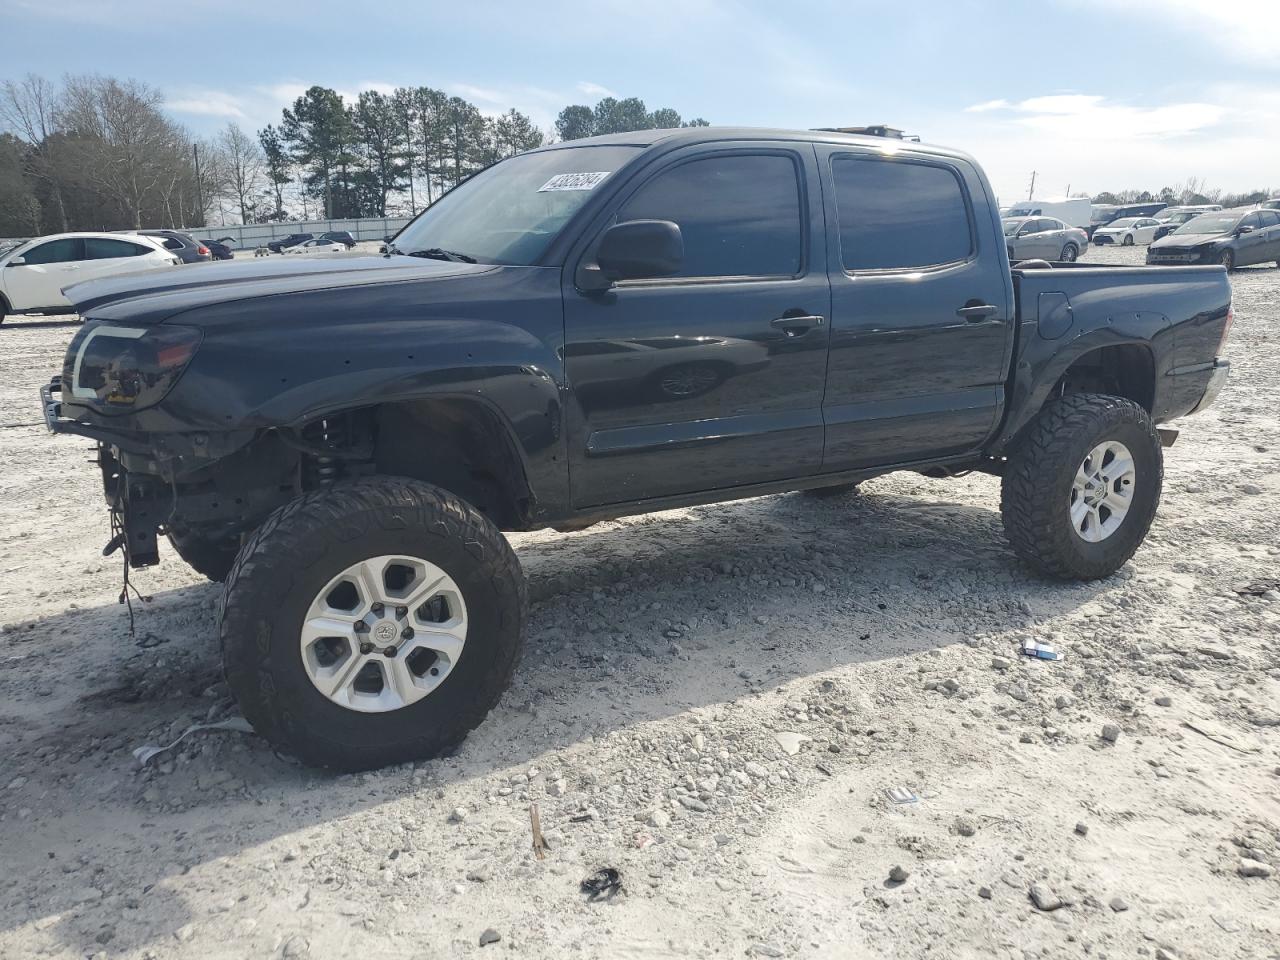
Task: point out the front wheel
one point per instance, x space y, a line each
1069 253
372 623
1128 240
1082 485
1228 259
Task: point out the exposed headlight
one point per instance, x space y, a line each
118 368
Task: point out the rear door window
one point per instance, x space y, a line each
102 248
739 214
899 214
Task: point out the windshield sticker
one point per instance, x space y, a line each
573 181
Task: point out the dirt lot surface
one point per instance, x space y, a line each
714 702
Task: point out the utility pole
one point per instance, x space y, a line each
195 149
302 192
1032 192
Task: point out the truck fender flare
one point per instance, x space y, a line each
1032 383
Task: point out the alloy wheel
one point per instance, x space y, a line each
1102 491
384 633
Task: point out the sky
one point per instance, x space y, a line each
1092 95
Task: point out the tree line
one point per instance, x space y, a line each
101 153
1192 192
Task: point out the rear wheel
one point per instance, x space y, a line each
1082 486
372 623
1069 253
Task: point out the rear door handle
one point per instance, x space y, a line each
978 312
794 325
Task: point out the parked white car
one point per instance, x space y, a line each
33 274
1127 231
318 246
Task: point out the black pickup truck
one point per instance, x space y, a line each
592 329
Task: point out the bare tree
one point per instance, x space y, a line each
135 152
28 107
243 165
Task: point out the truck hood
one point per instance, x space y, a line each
155 295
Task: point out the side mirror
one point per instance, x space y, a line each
17 262
640 250
1243 230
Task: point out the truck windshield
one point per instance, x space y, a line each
512 211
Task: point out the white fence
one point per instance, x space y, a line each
249 236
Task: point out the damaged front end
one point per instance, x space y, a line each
158 474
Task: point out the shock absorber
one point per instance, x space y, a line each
334 436
327 470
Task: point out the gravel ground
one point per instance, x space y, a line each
713 701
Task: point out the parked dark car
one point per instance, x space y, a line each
277 246
219 250
340 236
184 247
342 439
1232 238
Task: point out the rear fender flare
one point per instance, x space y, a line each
1042 364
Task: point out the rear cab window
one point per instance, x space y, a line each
900 214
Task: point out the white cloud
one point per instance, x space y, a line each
593 89
1092 143
1246 28
209 103
1090 117
988 105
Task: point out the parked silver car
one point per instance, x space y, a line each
1043 238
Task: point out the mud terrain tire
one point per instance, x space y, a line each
300 548
1037 491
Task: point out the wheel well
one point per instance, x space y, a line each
1124 370
460 445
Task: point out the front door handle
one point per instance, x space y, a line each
976 313
795 324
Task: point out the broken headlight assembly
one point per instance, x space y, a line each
116 368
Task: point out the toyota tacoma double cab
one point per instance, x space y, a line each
589 330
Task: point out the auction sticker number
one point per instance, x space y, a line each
573 181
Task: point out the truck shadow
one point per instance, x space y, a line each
630 623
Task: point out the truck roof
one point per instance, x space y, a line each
681 136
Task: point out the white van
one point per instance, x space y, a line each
1074 211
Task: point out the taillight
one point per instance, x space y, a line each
1226 328
203 251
